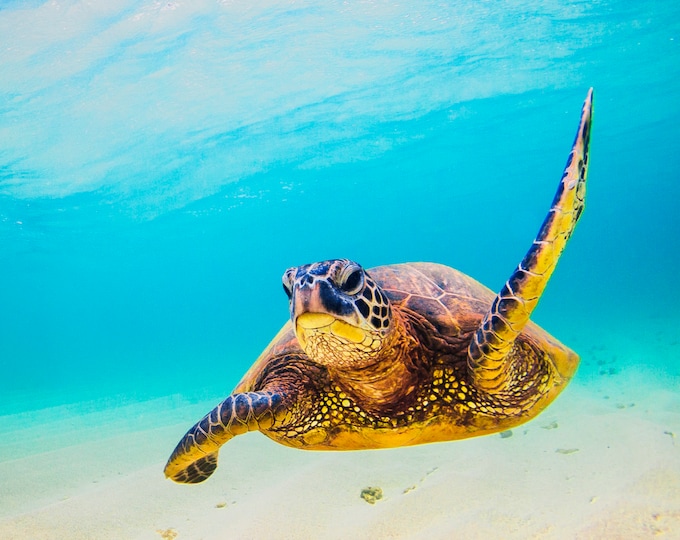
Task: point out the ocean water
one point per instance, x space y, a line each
162 164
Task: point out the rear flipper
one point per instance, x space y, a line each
195 457
510 311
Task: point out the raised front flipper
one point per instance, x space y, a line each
195 457
510 311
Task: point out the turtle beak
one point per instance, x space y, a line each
309 323
305 300
313 321
307 313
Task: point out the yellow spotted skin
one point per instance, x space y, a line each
402 354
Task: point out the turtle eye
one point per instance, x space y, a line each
287 281
351 280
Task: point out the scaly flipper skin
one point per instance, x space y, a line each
494 339
195 457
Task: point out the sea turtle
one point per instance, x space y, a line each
401 354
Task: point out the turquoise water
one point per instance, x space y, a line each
162 164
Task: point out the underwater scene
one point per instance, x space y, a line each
163 163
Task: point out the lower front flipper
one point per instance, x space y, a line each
195 457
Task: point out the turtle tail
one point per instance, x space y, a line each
511 309
195 456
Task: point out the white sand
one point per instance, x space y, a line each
602 462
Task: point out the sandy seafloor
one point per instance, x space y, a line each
602 462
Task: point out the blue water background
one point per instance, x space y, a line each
162 164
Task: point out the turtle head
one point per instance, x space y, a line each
341 317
